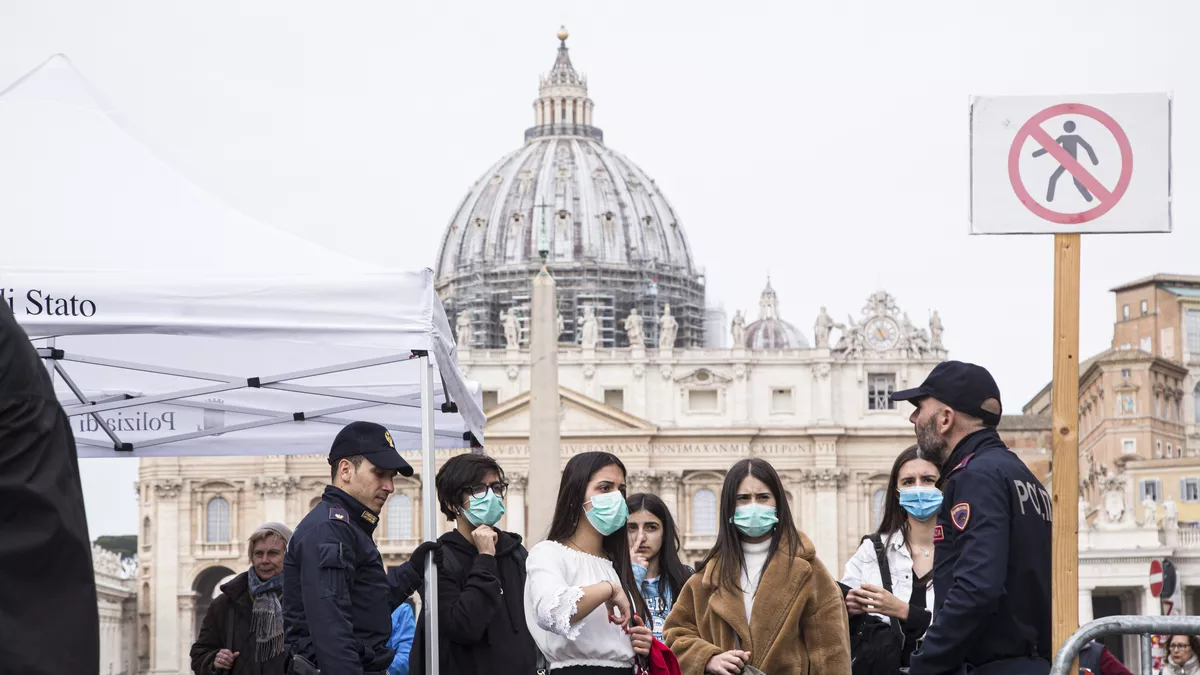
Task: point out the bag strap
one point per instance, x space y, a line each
885 571
885 574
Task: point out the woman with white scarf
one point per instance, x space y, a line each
242 633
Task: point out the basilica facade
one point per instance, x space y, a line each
639 375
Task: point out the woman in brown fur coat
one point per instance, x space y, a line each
722 623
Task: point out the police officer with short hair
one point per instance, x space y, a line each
337 598
992 539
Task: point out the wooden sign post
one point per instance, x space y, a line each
1066 166
1064 428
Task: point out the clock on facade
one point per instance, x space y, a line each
882 333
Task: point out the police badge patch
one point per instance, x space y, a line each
960 514
938 534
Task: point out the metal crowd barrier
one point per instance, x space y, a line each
1123 625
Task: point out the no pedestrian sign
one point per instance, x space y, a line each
1044 164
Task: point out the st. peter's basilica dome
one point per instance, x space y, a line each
604 229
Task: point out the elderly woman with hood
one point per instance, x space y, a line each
242 633
761 599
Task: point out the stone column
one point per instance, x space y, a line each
825 531
822 392
1085 604
1151 606
545 466
187 628
571 111
166 656
642 481
516 504
741 394
669 491
273 490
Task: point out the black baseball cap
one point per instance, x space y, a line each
372 441
962 386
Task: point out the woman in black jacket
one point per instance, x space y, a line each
481 578
242 633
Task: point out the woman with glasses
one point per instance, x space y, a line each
481 577
1183 656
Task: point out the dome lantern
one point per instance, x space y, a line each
563 107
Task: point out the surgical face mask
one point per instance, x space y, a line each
921 502
755 520
485 510
609 512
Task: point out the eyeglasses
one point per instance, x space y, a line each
479 491
1180 646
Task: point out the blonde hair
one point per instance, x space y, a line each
267 530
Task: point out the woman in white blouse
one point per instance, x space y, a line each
581 601
910 511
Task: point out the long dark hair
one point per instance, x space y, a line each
668 556
569 509
727 552
895 518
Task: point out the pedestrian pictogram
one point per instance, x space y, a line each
1065 151
1069 142
1077 164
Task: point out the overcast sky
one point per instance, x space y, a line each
824 143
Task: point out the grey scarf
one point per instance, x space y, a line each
267 616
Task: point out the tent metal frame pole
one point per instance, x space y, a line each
338 393
84 399
429 514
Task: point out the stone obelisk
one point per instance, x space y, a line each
544 465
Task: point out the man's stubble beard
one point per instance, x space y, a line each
932 447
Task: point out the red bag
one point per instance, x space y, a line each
661 661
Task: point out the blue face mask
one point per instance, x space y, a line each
485 510
755 520
921 503
609 512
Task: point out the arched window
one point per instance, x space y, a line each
217 522
704 512
400 517
146 598
146 532
877 499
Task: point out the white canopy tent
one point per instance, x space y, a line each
177 326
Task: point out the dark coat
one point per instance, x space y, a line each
47 584
991 570
481 610
235 596
335 590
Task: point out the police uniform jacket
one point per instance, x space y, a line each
335 591
991 562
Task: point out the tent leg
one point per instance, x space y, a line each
429 513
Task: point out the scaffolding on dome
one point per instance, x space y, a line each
612 290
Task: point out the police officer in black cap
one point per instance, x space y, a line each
992 539
337 598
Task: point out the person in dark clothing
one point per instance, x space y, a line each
1095 659
242 633
991 572
337 599
481 578
47 585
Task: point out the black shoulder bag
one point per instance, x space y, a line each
875 646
